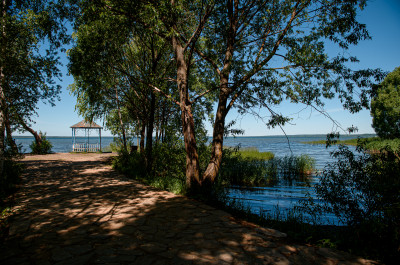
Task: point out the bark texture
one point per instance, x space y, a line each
213 167
192 157
2 83
120 119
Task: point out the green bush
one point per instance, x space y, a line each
130 164
363 190
10 178
12 171
168 167
42 148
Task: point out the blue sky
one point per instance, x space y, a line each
382 18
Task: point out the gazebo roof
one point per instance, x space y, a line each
86 124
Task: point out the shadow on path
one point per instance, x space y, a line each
83 212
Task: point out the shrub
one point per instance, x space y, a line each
168 167
130 164
12 171
42 148
10 178
362 189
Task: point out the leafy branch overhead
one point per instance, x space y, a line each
227 54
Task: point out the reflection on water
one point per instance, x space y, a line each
286 192
281 197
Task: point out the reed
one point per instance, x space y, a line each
249 167
370 143
254 154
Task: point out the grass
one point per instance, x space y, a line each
5 212
253 154
370 143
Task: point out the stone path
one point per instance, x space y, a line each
74 209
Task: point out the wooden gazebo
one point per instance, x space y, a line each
82 144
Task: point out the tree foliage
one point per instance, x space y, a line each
32 33
362 189
385 106
243 54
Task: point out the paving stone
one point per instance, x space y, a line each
287 250
79 249
169 254
128 229
130 252
330 254
107 260
153 247
146 259
85 213
100 236
42 262
78 260
59 254
19 227
227 257
17 260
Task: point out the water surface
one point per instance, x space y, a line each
259 199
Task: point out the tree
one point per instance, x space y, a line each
265 52
101 43
249 54
385 106
127 69
32 33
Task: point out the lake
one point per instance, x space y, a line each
259 199
284 195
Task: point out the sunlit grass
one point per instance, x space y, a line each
370 143
254 154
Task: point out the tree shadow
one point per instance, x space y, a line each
85 213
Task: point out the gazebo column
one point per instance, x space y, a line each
87 145
100 138
73 139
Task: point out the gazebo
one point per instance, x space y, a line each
84 145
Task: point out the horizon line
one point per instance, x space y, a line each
304 134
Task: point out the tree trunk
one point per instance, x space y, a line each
2 123
10 139
142 136
162 122
217 143
2 82
193 181
38 136
150 129
120 119
213 167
